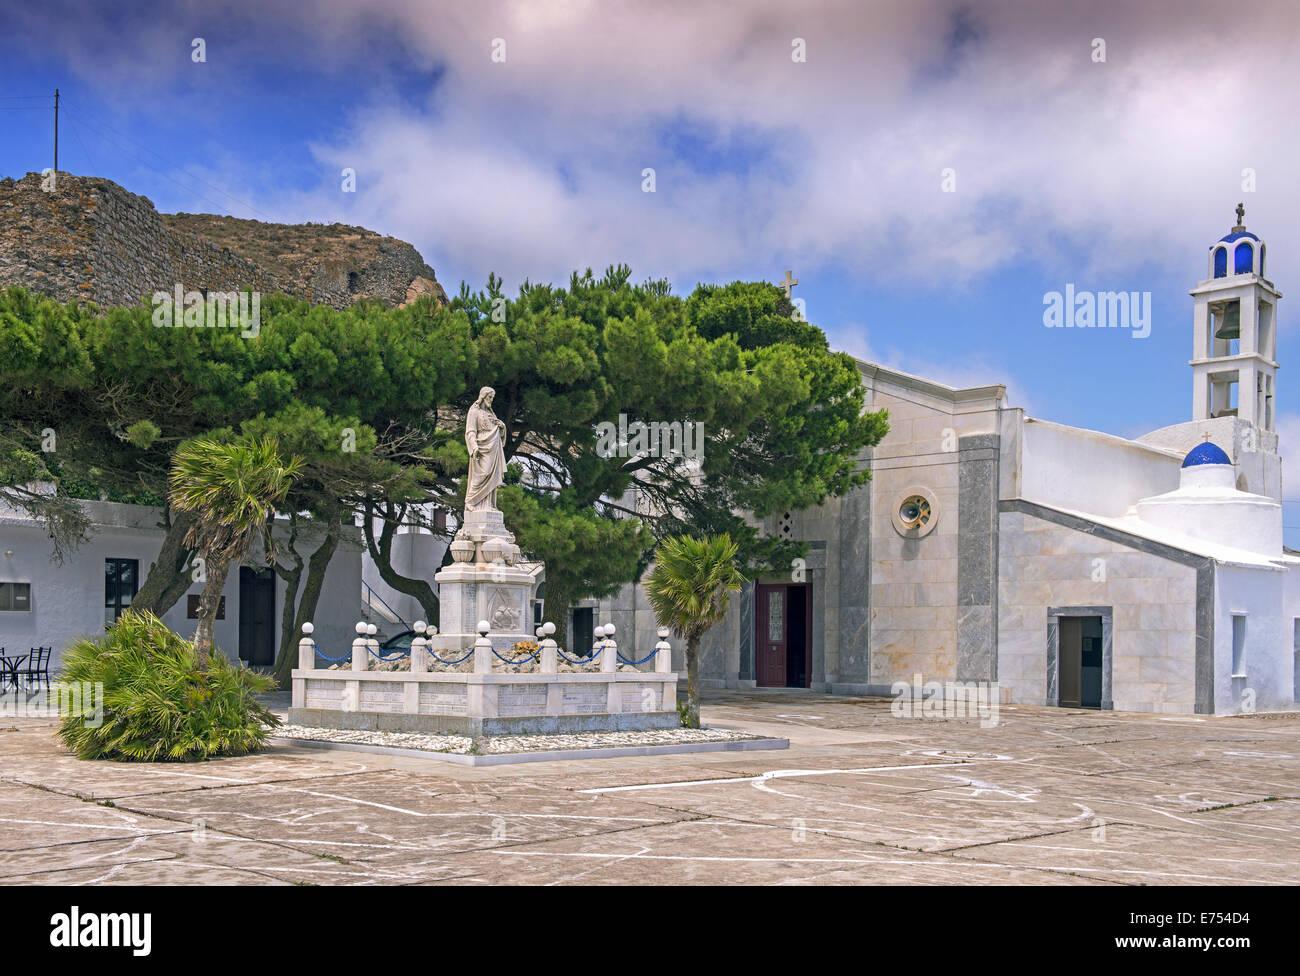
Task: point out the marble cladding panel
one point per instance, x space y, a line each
1153 601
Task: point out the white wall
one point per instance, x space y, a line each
417 555
68 600
1042 564
1085 471
1268 659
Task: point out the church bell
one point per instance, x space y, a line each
1230 322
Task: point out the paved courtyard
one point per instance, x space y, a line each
1048 796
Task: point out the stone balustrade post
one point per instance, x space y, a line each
418 660
483 650
663 653
609 651
361 649
307 649
548 657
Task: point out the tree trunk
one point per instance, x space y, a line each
168 578
292 576
381 552
316 566
693 682
556 610
209 602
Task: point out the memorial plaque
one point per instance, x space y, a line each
585 699
518 700
382 697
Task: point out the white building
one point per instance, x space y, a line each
1070 567
43 604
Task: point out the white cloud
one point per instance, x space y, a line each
533 167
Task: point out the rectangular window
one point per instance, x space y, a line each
1238 644
15 596
121 581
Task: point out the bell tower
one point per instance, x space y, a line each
1234 326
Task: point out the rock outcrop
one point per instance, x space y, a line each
92 240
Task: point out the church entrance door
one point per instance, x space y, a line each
782 635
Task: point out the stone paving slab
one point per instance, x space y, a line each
166 854
861 797
724 852
31 817
1131 854
398 817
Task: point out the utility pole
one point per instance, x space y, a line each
56 133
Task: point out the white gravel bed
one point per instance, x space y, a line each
492 745
428 742
499 744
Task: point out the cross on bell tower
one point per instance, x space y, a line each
788 284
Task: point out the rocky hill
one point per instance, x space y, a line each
91 240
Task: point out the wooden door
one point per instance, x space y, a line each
771 635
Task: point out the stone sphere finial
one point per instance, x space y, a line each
361 627
663 633
307 628
609 630
418 626
549 628
483 627
371 630
600 633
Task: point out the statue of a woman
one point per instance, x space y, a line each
487 459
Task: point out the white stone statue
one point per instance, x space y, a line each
484 435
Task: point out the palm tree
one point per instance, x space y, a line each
232 490
690 588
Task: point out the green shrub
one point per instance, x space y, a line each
157 703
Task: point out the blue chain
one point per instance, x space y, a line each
642 661
332 660
522 660
458 660
590 658
394 657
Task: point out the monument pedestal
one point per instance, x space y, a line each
496 592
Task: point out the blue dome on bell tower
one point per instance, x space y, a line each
1238 251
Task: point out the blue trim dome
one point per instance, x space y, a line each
1206 453
1236 235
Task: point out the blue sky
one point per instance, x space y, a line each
1113 175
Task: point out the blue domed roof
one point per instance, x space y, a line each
1236 235
1206 453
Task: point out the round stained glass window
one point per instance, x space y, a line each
914 512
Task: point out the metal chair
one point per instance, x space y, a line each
38 666
9 669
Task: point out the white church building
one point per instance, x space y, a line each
1069 567
1066 566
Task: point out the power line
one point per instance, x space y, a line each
76 131
108 132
